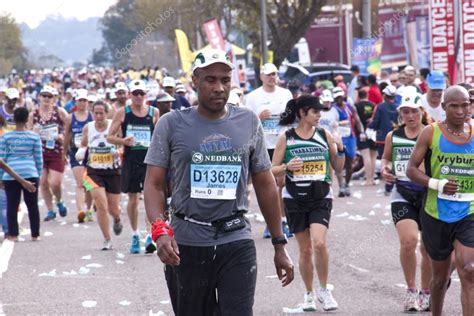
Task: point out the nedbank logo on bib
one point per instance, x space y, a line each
215 169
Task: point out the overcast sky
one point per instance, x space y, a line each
33 12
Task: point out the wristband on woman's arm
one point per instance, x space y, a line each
437 185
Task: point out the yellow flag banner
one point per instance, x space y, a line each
185 53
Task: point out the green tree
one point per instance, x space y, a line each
12 52
118 30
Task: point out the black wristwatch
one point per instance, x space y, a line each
280 240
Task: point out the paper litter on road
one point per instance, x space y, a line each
259 218
378 205
51 273
358 269
403 286
159 313
357 218
165 302
119 262
71 193
125 303
94 265
386 214
272 276
75 225
350 203
388 207
293 310
357 195
372 213
83 270
85 226
88 257
120 255
63 223
342 214
386 222
46 234
70 273
89 304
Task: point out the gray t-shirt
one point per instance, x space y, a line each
210 162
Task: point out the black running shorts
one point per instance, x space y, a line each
301 215
439 236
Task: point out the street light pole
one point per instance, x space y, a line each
366 19
263 13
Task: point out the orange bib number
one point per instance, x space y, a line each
311 170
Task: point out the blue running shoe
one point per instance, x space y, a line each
266 233
135 247
62 209
149 245
51 215
286 229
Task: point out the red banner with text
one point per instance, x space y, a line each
443 44
214 35
467 40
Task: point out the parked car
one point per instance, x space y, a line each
315 72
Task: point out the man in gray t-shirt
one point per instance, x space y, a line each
211 151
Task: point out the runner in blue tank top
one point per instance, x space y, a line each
73 135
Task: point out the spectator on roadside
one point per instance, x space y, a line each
374 94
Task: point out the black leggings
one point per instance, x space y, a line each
13 191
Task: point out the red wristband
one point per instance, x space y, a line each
159 228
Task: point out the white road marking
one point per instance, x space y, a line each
6 250
358 269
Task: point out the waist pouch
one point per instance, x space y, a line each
411 196
306 191
223 225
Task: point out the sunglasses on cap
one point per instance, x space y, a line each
49 96
138 93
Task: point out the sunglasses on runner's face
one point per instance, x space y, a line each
49 96
138 93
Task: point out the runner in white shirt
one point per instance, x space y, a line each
431 100
268 102
329 116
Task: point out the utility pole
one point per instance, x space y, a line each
366 19
263 13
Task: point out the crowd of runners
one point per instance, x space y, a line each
196 149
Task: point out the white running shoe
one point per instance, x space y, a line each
411 302
309 304
107 245
424 301
325 298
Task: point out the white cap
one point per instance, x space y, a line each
268 68
410 100
49 90
326 96
169 82
337 92
55 91
92 98
164 97
137 85
180 88
390 90
69 90
121 86
12 93
209 57
81 94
